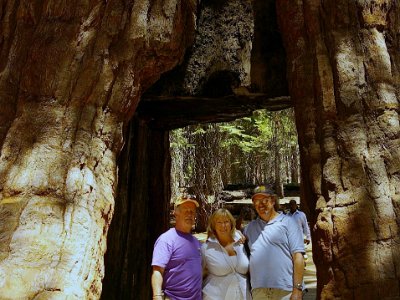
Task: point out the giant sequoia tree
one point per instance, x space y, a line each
72 74
343 67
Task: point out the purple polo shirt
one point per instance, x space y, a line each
179 254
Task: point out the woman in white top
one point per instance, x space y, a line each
224 260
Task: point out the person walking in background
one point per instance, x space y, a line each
225 261
276 251
301 219
177 270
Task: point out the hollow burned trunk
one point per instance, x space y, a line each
343 65
71 74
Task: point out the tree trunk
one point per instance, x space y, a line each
277 157
294 165
141 213
206 179
72 73
343 68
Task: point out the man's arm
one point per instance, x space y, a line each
298 270
157 281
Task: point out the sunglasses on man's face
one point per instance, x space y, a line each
262 200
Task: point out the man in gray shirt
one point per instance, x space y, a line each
276 251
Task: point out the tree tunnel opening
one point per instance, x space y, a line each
142 210
221 163
212 160
211 85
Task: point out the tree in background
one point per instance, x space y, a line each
260 149
196 166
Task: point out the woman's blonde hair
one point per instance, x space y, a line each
222 212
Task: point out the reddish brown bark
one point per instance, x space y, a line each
343 77
71 74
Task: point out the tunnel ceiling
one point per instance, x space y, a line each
236 65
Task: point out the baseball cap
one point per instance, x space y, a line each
262 190
186 199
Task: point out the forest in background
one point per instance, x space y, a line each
258 150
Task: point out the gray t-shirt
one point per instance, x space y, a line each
271 247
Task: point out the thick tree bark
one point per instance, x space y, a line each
71 74
343 68
141 213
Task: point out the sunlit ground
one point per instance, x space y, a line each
310 276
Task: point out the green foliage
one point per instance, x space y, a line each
240 152
236 136
178 140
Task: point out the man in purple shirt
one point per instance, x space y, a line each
177 270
